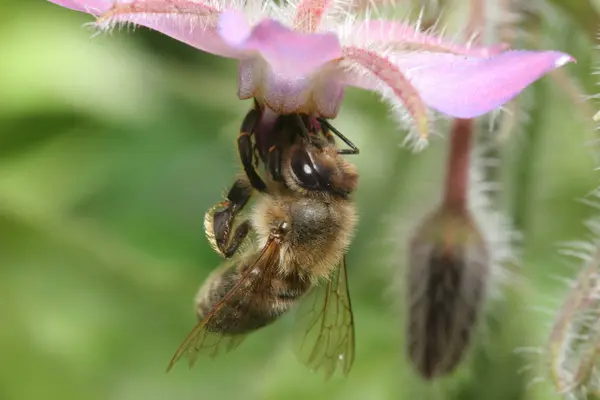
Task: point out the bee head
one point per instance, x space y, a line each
317 168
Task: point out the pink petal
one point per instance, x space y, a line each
189 21
95 7
396 81
327 95
403 36
320 95
234 28
287 52
467 87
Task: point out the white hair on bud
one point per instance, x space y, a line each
496 227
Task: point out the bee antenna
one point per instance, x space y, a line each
352 150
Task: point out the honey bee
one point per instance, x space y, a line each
302 225
263 137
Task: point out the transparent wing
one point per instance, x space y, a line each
255 279
324 336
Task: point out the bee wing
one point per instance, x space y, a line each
325 325
202 341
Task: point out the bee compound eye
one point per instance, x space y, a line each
304 170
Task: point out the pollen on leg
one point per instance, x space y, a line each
391 76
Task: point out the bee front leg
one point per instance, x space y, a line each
246 149
274 162
219 219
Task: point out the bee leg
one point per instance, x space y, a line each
280 140
246 149
303 126
236 240
218 221
256 157
274 162
328 128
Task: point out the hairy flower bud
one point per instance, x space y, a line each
573 351
447 276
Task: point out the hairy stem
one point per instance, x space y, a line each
457 178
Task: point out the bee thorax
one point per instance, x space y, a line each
318 236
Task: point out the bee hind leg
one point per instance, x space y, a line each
219 219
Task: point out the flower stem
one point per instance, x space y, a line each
457 178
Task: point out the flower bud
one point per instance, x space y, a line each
447 277
573 349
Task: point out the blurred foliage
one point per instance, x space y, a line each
113 148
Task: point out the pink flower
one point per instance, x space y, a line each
298 58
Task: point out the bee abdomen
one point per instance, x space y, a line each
239 320
250 309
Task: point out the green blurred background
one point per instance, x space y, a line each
112 149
